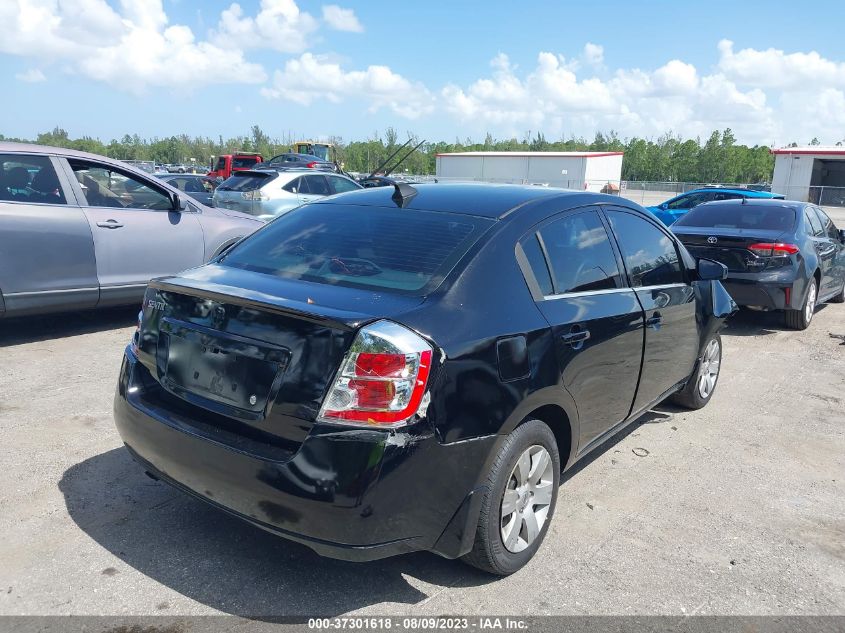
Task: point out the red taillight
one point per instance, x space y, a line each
779 249
382 379
312 164
380 365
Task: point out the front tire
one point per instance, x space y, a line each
698 391
520 500
800 319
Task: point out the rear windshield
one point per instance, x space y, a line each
239 162
246 181
406 251
740 216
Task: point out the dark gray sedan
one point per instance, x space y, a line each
80 231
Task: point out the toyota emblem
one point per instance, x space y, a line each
712 240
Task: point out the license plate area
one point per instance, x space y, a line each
225 373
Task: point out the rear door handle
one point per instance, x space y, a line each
573 337
110 224
655 321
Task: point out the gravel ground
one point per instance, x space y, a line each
735 509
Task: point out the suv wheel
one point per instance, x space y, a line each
699 389
520 500
800 319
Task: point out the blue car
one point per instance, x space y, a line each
674 208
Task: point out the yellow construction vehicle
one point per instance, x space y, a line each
326 151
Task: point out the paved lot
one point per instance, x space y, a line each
736 509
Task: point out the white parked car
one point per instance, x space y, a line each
266 193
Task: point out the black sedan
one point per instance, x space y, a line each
199 187
412 368
780 255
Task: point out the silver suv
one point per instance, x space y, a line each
266 193
83 231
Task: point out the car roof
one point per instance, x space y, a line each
302 156
480 199
31 148
758 202
751 193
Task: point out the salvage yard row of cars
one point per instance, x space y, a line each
401 368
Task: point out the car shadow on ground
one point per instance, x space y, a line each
19 330
229 565
756 323
663 412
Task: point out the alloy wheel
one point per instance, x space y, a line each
709 372
810 306
527 498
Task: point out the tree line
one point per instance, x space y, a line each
669 157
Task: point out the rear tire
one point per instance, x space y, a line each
700 388
520 500
800 319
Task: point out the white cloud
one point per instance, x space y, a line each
279 25
774 68
593 54
553 97
31 76
341 19
133 49
310 77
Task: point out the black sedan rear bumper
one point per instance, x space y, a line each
769 296
778 291
353 494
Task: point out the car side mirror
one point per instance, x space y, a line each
664 206
178 203
711 270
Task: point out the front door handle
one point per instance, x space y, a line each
576 336
655 321
110 224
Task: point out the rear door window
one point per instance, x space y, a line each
294 186
580 255
317 185
827 224
537 261
813 224
28 178
401 250
650 254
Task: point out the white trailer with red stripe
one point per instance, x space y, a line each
592 171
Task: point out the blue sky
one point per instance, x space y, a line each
772 71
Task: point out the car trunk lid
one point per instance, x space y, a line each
728 246
256 351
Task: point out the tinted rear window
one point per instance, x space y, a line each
406 251
740 216
246 181
239 162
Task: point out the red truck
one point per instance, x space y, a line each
226 164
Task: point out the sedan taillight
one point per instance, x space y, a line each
382 379
779 249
